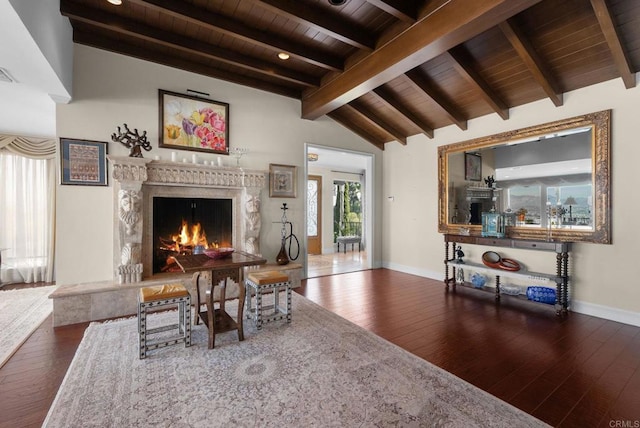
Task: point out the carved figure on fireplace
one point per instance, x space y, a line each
129 212
130 254
253 222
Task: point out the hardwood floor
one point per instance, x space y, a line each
577 371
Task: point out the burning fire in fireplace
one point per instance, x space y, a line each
186 240
191 239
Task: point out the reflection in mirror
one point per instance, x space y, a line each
548 182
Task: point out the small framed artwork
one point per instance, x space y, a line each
83 162
193 123
472 167
282 181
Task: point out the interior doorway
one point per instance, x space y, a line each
346 180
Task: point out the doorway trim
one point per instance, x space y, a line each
369 200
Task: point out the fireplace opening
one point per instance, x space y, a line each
188 225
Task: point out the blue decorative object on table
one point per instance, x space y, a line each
478 280
542 294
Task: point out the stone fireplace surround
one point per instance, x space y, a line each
136 182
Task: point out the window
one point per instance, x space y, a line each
570 205
27 195
574 202
526 199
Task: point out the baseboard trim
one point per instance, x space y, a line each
606 312
586 308
413 271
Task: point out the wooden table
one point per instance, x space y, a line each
215 271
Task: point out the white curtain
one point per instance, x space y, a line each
27 216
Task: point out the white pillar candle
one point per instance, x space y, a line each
194 158
174 156
156 157
219 160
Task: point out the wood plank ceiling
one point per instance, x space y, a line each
385 69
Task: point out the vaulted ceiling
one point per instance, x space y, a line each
386 69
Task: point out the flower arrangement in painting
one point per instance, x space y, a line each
207 127
194 123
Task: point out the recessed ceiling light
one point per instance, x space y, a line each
283 56
338 2
116 2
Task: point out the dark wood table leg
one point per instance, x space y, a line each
242 291
211 316
195 279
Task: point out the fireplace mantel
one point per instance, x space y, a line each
138 180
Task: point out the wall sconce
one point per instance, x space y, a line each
312 157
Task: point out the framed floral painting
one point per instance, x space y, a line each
193 123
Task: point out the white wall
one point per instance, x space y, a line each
604 276
111 89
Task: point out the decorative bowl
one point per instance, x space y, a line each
219 253
491 259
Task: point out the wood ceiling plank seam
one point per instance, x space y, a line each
169 60
392 101
534 63
462 64
422 84
238 29
192 46
618 51
350 125
389 114
375 120
340 29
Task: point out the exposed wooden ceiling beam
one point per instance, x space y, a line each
192 46
613 40
399 9
387 97
117 46
462 64
332 25
529 56
353 127
429 37
374 119
234 28
420 82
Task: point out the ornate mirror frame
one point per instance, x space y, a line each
600 122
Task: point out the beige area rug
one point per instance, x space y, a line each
21 312
320 370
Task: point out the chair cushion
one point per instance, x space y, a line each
270 277
162 292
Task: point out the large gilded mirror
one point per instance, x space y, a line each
548 182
